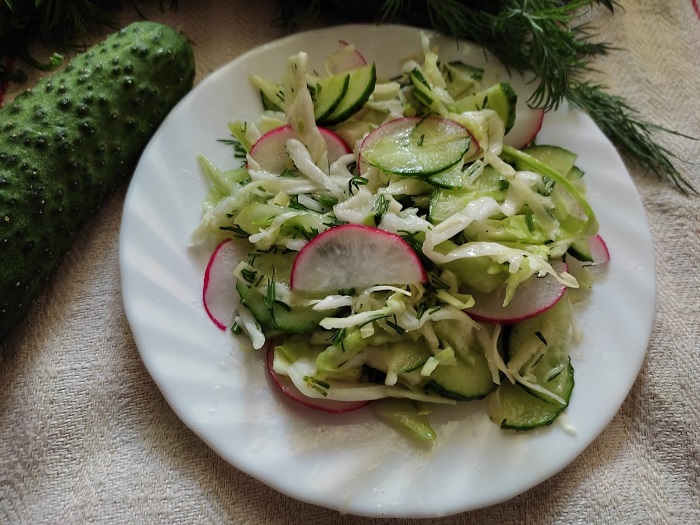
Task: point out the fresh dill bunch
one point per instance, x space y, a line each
541 36
633 135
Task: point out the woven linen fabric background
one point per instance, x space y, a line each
87 437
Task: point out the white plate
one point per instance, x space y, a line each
353 463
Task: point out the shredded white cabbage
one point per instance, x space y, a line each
250 325
299 108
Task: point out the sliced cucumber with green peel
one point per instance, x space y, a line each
271 93
461 79
548 332
464 380
257 293
511 406
404 416
557 158
581 250
335 97
456 67
327 93
474 272
445 202
258 216
537 348
592 250
500 97
575 173
277 316
423 93
449 179
556 377
415 146
404 357
361 84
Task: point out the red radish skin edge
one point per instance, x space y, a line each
512 313
335 143
219 295
207 282
526 128
506 319
299 261
353 61
599 250
275 139
287 387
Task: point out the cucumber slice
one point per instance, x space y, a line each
423 93
327 93
581 250
461 79
271 94
547 334
399 358
513 407
592 250
473 272
404 416
559 159
555 376
279 318
537 348
463 381
360 87
449 179
445 202
575 173
257 216
417 147
499 97
271 268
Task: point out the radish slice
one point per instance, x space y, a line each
599 250
288 388
531 298
270 151
344 59
355 256
528 123
219 293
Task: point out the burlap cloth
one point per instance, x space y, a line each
86 436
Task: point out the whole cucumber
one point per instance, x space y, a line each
71 140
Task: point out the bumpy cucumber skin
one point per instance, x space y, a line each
71 140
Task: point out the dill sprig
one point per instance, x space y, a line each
634 136
543 37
